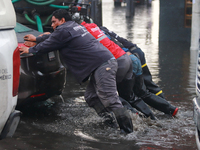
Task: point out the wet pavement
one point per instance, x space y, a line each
73 125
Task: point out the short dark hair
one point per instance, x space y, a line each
62 13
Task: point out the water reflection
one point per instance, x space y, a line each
179 71
142 30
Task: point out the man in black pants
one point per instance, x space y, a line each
134 49
86 58
144 87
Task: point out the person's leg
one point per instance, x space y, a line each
125 81
153 100
125 77
127 105
150 85
125 89
105 86
92 98
137 102
160 104
93 101
124 70
141 106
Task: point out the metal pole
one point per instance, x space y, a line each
133 7
99 13
195 28
93 10
96 11
130 8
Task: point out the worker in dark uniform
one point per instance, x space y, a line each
134 49
86 58
139 88
126 72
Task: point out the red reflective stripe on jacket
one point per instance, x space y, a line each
110 45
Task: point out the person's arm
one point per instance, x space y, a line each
55 41
126 43
29 43
30 37
31 40
42 37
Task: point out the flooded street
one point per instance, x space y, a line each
73 125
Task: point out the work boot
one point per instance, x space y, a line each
160 104
109 119
107 116
152 100
124 120
142 107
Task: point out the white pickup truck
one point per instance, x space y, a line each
9 70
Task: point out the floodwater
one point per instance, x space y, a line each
73 125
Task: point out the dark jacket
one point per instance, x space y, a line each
124 43
80 51
103 39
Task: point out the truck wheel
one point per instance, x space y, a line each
117 4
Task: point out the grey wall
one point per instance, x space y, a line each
171 26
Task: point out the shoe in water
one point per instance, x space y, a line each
175 112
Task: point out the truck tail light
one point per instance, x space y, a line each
37 95
16 70
79 8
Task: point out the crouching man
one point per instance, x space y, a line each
86 58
